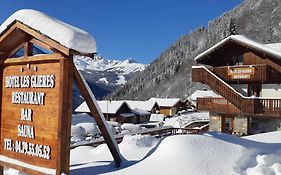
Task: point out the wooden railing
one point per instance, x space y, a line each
156 132
262 73
270 107
220 105
247 106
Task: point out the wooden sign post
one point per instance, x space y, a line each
35 115
36 103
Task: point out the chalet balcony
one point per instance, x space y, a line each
233 100
248 73
219 105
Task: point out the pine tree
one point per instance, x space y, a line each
230 29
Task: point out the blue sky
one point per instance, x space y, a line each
138 29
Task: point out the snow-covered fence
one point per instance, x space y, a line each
156 132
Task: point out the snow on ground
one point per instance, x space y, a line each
99 159
269 137
209 154
184 119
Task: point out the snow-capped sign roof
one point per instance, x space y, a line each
65 34
166 102
110 107
272 50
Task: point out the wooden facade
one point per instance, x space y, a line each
231 64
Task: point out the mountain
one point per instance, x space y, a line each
103 75
170 74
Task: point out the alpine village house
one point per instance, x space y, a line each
247 75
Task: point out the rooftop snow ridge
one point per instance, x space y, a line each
272 49
65 34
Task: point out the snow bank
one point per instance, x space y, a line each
65 34
269 137
266 165
132 148
91 129
209 154
78 133
184 120
131 127
189 154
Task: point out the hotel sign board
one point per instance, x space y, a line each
241 72
31 114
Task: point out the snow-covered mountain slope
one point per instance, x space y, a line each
103 75
99 63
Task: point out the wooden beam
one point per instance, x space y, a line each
8 32
33 59
98 115
28 49
44 45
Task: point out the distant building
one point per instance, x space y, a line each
155 120
112 110
247 75
169 106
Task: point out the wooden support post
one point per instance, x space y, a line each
98 115
28 49
1 91
65 118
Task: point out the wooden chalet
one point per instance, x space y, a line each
247 76
118 111
169 106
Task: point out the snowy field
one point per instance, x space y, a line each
209 154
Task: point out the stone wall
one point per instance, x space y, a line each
240 125
215 122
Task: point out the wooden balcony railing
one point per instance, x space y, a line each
247 105
220 105
259 73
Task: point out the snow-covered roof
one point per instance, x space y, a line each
273 50
65 34
140 112
110 107
203 93
127 115
144 105
156 117
166 102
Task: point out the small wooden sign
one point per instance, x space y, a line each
31 114
241 73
